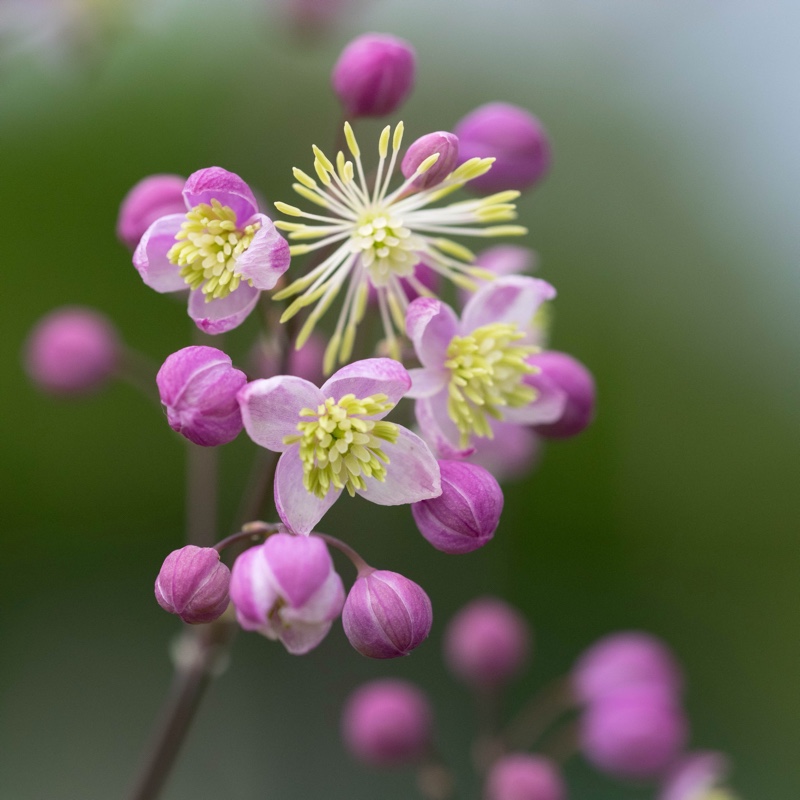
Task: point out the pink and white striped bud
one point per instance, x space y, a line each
623 660
441 142
695 777
374 75
466 514
387 723
520 776
152 198
635 733
487 643
386 615
198 387
193 583
511 135
559 372
72 351
287 589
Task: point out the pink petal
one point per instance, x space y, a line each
215 183
512 453
411 475
301 565
150 256
271 408
437 427
301 637
267 257
513 299
430 324
299 509
225 314
426 382
324 605
252 591
547 407
368 377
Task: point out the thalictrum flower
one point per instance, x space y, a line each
335 438
382 236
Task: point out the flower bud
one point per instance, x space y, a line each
511 135
386 615
387 723
465 515
374 75
153 197
193 583
624 660
561 372
695 777
198 387
71 351
487 643
520 776
441 142
634 733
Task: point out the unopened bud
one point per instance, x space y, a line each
152 198
442 143
520 776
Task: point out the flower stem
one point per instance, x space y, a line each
358 562
540 713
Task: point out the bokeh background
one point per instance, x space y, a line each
669 226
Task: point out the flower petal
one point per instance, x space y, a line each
224 314
301 565
513 299
324 605
437 427
252 590
271 408
215 183
150 256
299 509
411 475
512 453
426 382
267 257
301 637
430 324
548 406
368 377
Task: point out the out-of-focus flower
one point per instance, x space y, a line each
387 723
521 776
305 363
374 75
511 452
193 583
198 387
386 615
441 143
697 776
72 351
153 197
313 17
382 236
334 438
222 249
287 589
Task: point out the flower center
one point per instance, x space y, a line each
486 372
207 246
386 247
339 448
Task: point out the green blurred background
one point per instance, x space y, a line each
669 227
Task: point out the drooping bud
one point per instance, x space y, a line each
386 615
442 143
198 387
71 350
520 776
634 733
193 583
511 135
487 643
374 75
465 515
695 777
623 660
561 372
152 198
387 723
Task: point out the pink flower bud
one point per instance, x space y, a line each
465 515
441 142
153 197
374 75
198 387
694 776
562 373
511 135
387 723
487 643
624 660
287 589
520 776
71 351
386 615
193 583
634 733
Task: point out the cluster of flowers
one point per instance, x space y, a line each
621 698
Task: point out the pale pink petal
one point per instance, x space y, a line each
514 299
271 408
267 257
437 427
300 564
430 324
299 509
324 605
215 183
301 637
252 589
368 377
150 256
512 453
427 382
547 407
224 314
412 473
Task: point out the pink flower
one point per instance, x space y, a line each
334 438
223 250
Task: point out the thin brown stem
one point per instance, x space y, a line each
540 713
